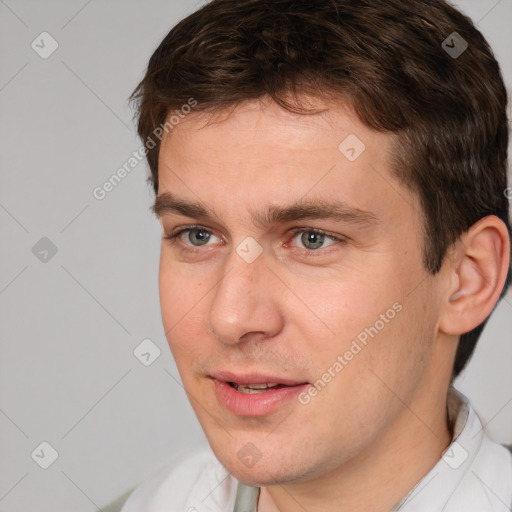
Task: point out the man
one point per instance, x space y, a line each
330 177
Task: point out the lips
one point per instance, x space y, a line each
254 394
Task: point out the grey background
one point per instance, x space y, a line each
69 326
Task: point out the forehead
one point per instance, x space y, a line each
260 153
273 126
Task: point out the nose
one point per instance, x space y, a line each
245 303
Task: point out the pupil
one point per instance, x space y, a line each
200 236
312 238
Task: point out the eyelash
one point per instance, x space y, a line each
173 238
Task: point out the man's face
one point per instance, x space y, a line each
344 318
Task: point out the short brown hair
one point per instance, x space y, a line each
385 57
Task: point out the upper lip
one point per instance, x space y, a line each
254 378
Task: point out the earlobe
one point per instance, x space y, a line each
479 274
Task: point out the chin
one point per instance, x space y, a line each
264 477
268 470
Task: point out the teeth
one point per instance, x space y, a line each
254 388
250 391
260 386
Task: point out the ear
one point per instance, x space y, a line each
478 272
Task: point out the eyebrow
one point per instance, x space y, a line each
167 203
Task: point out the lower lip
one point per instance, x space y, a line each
254 404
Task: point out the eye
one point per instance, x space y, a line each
195 236
314 239
311 239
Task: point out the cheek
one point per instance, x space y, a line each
335 309
181 300
181 288
370 318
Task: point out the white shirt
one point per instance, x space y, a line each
473 475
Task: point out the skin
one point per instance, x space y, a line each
381 421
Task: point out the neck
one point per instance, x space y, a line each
390 467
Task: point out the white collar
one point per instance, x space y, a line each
439 484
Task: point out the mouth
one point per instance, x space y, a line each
256 388
255 394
